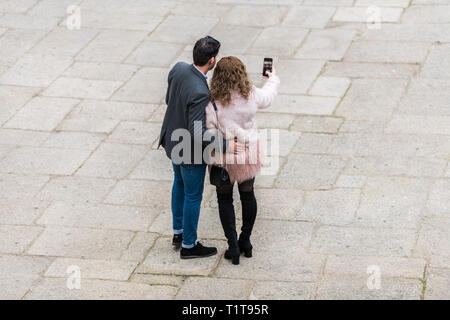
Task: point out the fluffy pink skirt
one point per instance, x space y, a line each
244 166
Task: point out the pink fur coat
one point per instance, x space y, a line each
238 120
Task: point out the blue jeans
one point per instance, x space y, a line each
187 193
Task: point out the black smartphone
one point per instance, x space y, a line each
268 63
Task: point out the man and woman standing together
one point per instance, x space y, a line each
228 125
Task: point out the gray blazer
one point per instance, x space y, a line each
187 97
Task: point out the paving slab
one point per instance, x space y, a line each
81 243
57 289
360 179
19 273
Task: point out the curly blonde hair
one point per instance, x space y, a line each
229 75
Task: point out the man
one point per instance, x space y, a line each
186 99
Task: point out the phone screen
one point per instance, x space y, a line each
268 62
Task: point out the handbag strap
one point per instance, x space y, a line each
217 116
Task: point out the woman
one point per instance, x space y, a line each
237 101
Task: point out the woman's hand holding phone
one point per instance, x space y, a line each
270 74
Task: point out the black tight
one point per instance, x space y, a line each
227 216
245 186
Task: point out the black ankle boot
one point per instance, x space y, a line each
249 211
245 246
228 220
233 254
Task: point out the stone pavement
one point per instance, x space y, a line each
359 207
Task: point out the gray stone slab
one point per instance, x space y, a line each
383 3
163 259
17 274
351 181
135 132
76 189
427 14
437 63
199 9
306 105
247 15
52 8
21 211
409 32
88 122
230 289
35 70
438 285
419 125
20 186
390 202
396 165
16 43
160 8
364 241
56 289
330 86
331 207
397 267
81 243
209 226
12 99
355 288
309 17
112 160
148 85
15 137
269 120
327 44
154 54
272 290
297 82
234 39
119 20
278 41
315 143
92 269
273 267
328 2
155 166
20 6
139 247
158 279
63 42
426 97
111 46
370 70
41 114
28 21
439 199
100 71
32 160
272 204
378 102
317 124
16 239
74 140
117 110
82 88
387 51
361 14
434 239
97 216
193 28
310 172
154 194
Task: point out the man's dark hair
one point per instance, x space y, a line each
205 49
